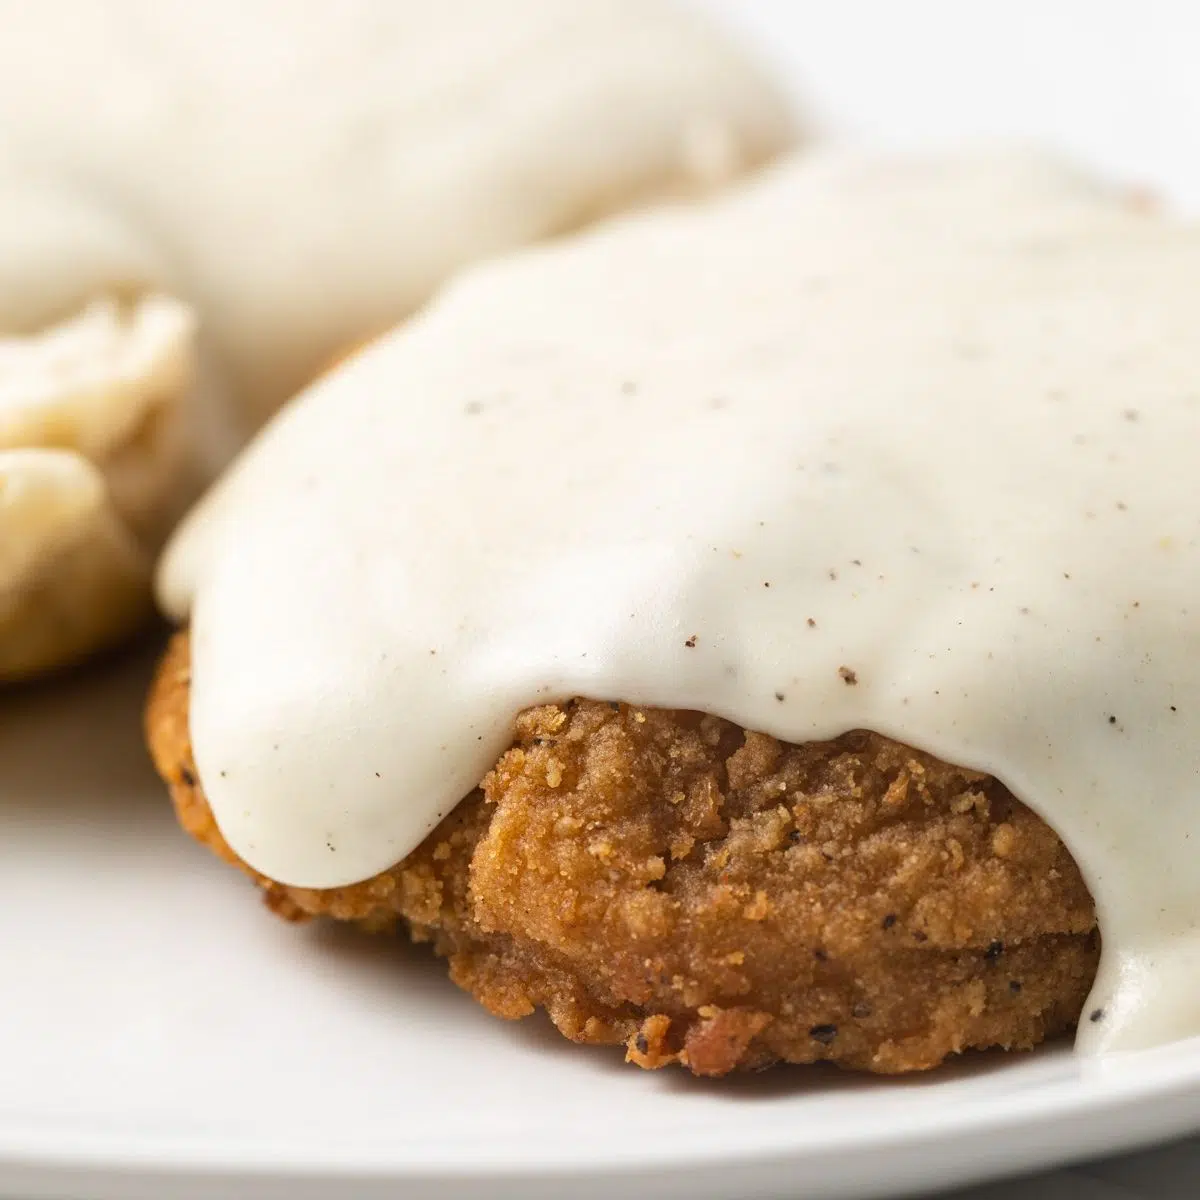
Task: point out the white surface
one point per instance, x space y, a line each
162 1035
154 1019
1111 81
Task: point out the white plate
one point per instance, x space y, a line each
162 1035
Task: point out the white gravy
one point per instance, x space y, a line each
306 173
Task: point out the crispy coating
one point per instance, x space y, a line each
715 898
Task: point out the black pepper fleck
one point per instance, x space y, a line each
811 623
1097 1014
849 676
780 697
823 1033
994 950
186 775
691 642
643 1046
820 956
861 1011
889 920
1014 986
1112 720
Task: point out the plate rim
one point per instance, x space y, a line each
1157 1091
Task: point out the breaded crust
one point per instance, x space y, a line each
716 898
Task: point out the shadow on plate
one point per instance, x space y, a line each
375 966
75 740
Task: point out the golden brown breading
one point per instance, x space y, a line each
719 899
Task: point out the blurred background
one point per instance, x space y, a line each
1114 82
